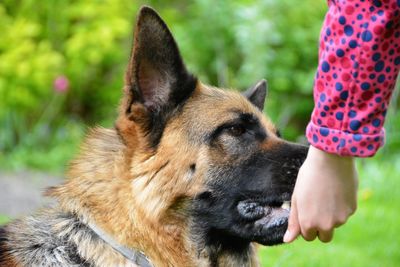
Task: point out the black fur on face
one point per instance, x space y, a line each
244 195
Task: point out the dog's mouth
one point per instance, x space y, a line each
269 219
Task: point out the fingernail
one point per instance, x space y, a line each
286 237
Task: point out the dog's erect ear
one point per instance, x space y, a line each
156 76
156 80
257 94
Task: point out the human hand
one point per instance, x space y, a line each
324 197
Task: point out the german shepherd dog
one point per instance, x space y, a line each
191 175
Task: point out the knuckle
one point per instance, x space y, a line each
326 227
341 220
307 225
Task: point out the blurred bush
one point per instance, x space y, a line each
62 63
61 66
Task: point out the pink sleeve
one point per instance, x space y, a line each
359 60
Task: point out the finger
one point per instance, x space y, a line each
309 234
340 222
325 236
293 230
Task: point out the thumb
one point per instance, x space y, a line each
293 230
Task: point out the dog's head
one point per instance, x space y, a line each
206 154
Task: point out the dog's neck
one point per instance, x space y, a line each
100 190
132 255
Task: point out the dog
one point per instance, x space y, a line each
191 175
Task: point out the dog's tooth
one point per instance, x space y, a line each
286 205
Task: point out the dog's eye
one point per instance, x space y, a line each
236 130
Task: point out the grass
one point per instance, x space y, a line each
369 239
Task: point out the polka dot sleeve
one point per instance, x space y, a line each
359 60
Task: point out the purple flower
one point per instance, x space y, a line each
61 84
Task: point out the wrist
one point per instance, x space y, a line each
319 155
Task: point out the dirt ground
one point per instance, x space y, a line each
20 193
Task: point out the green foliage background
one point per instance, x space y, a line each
227 43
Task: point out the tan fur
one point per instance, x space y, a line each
130 191
8 260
